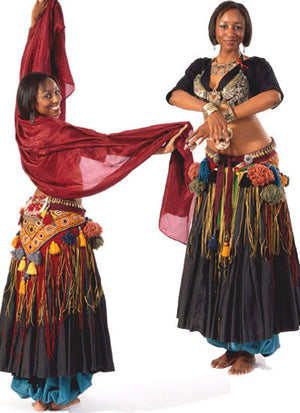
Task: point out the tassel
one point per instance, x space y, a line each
82 240
31 270
22 265
54 248
213 242
225 250
46 218
22 287
204 171
15 241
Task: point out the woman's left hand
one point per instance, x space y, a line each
38 10
198 136
170 146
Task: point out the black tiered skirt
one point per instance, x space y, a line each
240 280
53 319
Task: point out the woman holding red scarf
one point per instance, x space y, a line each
53 324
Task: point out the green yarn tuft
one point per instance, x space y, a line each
272 194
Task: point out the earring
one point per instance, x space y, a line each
31 117
244 49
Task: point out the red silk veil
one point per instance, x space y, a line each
68 161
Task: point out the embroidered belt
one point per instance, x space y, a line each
36 230
249 158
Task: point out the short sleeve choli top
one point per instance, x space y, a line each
249 78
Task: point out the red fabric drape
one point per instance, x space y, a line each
69 161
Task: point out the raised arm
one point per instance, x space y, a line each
38 10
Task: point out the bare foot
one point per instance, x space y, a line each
54 406
226 360
40 406
243 365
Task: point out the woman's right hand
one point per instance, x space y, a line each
38 10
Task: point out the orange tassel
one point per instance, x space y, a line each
82 240
54 248
22 287
15 241
31 270
22 265
225 250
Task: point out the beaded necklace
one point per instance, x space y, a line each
221 69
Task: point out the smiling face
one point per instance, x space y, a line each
230 30
48 98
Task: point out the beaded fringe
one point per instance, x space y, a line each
266 236
63 286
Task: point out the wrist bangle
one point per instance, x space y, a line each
228 115
208 109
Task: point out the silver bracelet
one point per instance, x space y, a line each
228 115
208 109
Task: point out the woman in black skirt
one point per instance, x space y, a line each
240 284
53 325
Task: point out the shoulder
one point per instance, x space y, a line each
201 63
257 63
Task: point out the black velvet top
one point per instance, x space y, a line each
248 79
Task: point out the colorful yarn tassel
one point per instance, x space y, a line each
15 241
22 287
82 240
204 171
225 250
31 270
54 248
213 242
22 265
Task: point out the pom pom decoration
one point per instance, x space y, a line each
92 229
260 175
18 254
69 238
278 180
54 248
193 171
97 242
197 187
272 194
284 179
204 171
35 257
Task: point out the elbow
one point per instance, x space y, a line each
172 98
275 98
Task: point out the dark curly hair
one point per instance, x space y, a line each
222 9
27 92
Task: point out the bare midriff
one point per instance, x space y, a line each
248 136
40 193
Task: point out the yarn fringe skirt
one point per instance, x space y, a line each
53 319
240 280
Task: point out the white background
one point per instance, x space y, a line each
125 56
